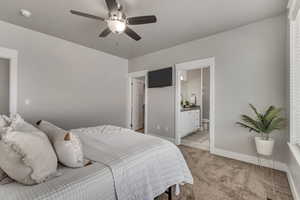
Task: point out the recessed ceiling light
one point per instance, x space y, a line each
25 13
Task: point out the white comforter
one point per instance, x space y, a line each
131 166
94 182
143 167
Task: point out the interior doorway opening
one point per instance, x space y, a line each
137 106
4 86
8 80
194 112
195 104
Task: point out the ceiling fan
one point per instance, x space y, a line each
117 22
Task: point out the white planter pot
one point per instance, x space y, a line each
264 147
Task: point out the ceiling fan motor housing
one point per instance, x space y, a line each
117 22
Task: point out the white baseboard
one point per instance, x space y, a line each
266 163
163 137
295 194
253 160
250 159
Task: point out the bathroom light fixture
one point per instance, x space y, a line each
25 13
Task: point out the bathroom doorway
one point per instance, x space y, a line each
194 104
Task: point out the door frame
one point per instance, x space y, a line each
131 76
12 56
197 64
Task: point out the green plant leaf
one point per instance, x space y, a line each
277 124
248 127
252 122
269 110
264 123
272 113
255 111
259 116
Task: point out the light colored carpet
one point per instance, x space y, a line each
218 178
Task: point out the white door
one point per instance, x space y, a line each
138 103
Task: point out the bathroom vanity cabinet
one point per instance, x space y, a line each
189 121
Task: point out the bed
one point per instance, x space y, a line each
126 166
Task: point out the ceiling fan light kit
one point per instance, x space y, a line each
117 22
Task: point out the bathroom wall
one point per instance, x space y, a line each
206 92
192 86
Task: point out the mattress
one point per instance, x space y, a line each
143 166
127 166
94 182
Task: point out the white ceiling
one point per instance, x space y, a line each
179 21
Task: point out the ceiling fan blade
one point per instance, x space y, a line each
141 20
105 33
86 15
131 33
111 5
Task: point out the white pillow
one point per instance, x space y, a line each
17 123
26 154
67 145
3 124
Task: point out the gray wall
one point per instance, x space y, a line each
4 86
206 92
294 169
291 161
250 68
68 84
161 111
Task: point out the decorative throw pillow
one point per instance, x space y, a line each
17 123
67 145
26 154
3 124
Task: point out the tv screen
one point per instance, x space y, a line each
160 78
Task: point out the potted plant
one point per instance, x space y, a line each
264 124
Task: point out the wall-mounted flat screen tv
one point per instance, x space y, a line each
160 78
